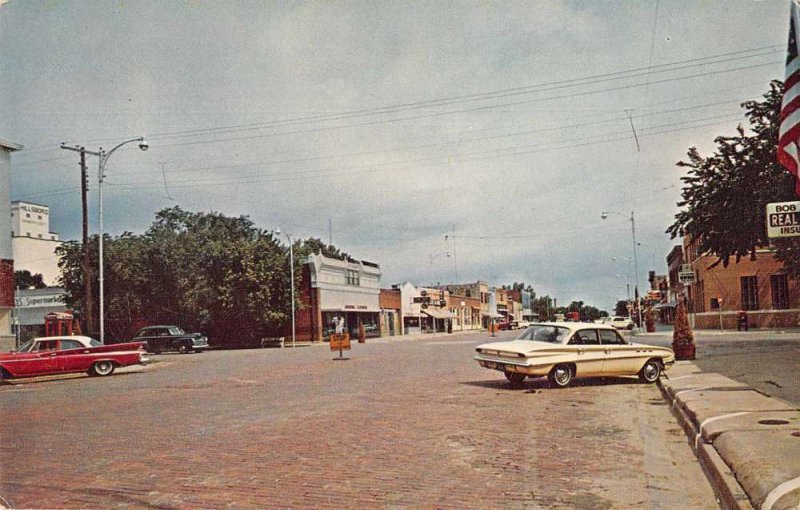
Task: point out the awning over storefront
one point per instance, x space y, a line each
492 315
439 314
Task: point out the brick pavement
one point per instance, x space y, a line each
400 425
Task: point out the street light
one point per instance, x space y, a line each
103 159
604 215
291 274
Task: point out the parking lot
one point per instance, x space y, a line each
401 424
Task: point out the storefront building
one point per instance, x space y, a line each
466 312
469 293
31 307
425 310
334 292
391 309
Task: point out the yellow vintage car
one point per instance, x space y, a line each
563 351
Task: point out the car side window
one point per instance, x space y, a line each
70 344
47 345
608 337
585 337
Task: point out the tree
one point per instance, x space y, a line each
24 280
725 194
621 309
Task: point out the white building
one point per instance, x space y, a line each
33 243
334 290
6 253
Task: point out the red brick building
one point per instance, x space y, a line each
6 254
760 287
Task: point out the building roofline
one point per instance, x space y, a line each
10 147
28 203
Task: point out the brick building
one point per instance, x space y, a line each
6 253
760 287
391 312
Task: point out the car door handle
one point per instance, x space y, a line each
607 351
86 351
52 354
581 351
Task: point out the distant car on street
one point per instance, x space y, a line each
69 354
158 339
563 351
620 322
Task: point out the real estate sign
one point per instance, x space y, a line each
783 219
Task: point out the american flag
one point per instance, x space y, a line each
788 151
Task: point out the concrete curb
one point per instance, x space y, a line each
747 443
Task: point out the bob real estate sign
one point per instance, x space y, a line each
783 219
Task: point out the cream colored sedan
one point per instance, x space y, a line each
563 351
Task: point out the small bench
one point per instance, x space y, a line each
272 342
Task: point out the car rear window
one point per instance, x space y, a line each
541 333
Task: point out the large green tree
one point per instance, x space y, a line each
204 271
725 193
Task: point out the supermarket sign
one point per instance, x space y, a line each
783 219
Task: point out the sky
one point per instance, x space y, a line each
448 141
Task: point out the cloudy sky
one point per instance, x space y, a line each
445 140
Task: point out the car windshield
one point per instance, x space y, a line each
542 333
26 347
175 330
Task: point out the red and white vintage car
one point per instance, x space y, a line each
68 354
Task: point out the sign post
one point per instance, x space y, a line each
340 342
719 304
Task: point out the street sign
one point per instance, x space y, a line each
783 219
686 276
340 342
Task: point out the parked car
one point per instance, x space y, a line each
563 351
69 354
620 322
158 339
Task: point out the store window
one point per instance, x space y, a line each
749 286
780 291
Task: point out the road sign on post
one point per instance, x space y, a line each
783 219
340 342
686 276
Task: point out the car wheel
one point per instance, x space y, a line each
560 376
630 327
102 368
183 349
650 372
514 378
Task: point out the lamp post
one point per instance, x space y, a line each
291 276
103 159
604 215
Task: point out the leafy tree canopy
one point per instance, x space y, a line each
24 280
725 193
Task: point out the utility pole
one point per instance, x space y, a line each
88 299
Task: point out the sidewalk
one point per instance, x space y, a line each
748 443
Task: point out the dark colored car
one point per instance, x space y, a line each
159 339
